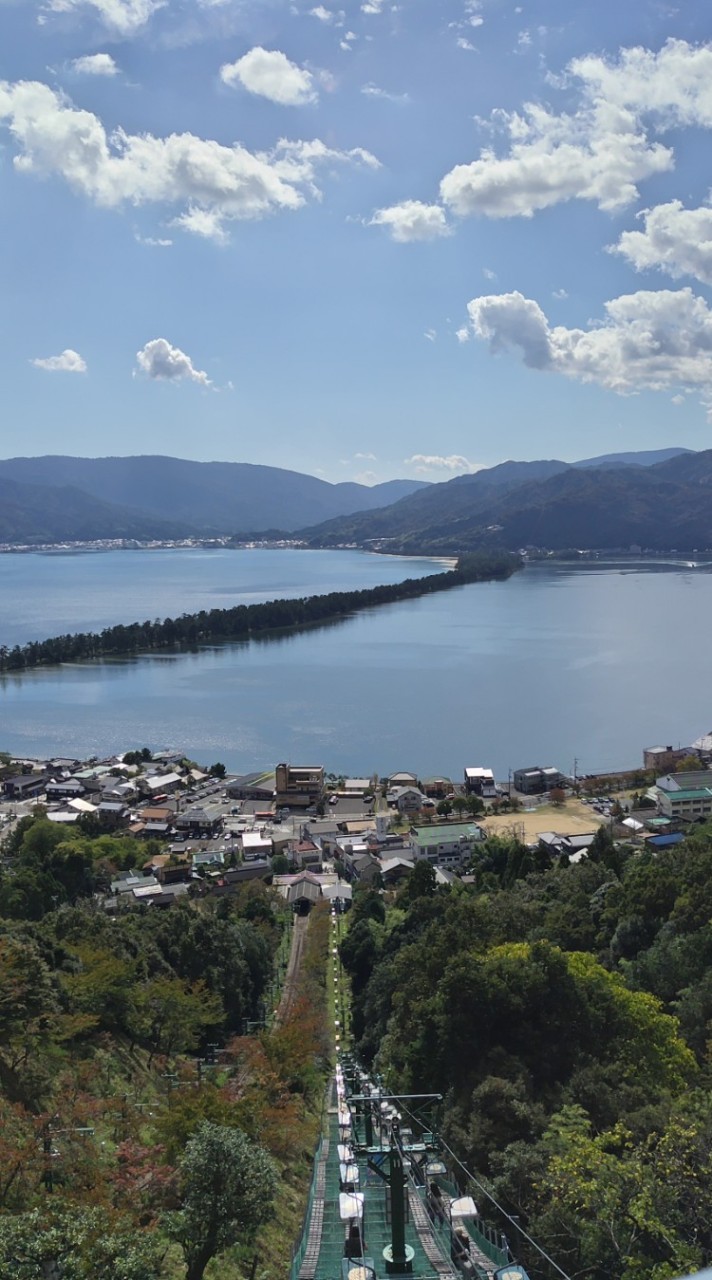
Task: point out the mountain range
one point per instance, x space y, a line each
615 502
58 498
659 500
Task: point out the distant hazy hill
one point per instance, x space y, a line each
212 497
44 513
663 506
644 458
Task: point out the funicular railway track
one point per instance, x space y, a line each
382 1202
291 977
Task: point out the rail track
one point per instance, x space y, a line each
291 977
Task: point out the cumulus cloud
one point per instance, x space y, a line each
462 334
269 74
68 362
122 17
674 84
651 341
163 363
675 240
412 220
373 6
598 154
425 462
599 150
95 64
210 183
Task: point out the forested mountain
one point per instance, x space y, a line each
665 506
209 497
564 1012
32 513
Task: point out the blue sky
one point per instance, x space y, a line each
359 239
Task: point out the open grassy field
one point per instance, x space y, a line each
569 819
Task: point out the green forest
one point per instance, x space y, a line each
564 1012
244 622
150 1105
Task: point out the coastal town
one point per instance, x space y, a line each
313 834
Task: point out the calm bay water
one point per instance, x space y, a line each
554 664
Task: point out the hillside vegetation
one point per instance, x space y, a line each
565 1013
143 1135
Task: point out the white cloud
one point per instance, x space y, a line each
327 15
602 148
652 341
373 6
366 477
489 274
122 17
430 334
559 294
424 462
210 183
366 457
676 240
95 64
163 363
153 242
674 84
464 43
269 74
597 154
373 91
412 220
68 362
463 334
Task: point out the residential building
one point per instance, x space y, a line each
448 846
24 785
408 800
298 786
480 782
537 780
255 846
664 759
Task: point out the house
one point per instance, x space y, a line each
403 780
298 786
197 822
573 847
356 788
159 784
450 846
480 782
112 813
23 786
394 870
255 846
438 788
537 780
65 789
685 796
408 800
